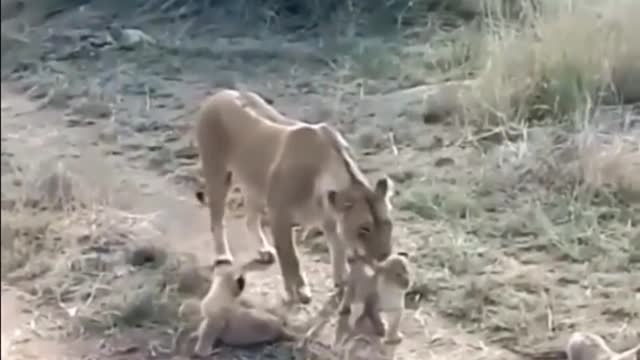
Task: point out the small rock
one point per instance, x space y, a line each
444 161
147 255
108 135
73 121
59 98
161 159
38 92
93 108
189 151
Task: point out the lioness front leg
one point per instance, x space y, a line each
294 282
266 253
338 257
217 189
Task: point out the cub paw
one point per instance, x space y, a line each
304 294
344 311
393 339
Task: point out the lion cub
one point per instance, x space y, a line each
588 346
228 319
379 287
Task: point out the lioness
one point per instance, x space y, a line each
300 173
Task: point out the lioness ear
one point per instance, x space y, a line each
384 188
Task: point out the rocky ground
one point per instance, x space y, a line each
100 229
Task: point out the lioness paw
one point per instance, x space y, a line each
266 256
225 259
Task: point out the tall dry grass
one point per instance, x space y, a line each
563 59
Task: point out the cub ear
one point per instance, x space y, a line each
201 197
240 284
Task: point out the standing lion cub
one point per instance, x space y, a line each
300 173
380 288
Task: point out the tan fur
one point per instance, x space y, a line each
300 173
254 101
589 346
380 289
228 319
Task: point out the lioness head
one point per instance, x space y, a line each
363 217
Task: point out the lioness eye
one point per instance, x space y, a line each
364 230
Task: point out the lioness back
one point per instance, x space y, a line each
254 148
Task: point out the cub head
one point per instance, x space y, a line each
363 220
233 275
394 270
232 278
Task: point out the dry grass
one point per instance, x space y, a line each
554 200
89 264
566 59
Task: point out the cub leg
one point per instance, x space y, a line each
295 283
372 312
266 253
394 336
344 308
207 333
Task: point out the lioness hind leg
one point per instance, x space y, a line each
266 253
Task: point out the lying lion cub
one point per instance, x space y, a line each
227 319
588 346
300 173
